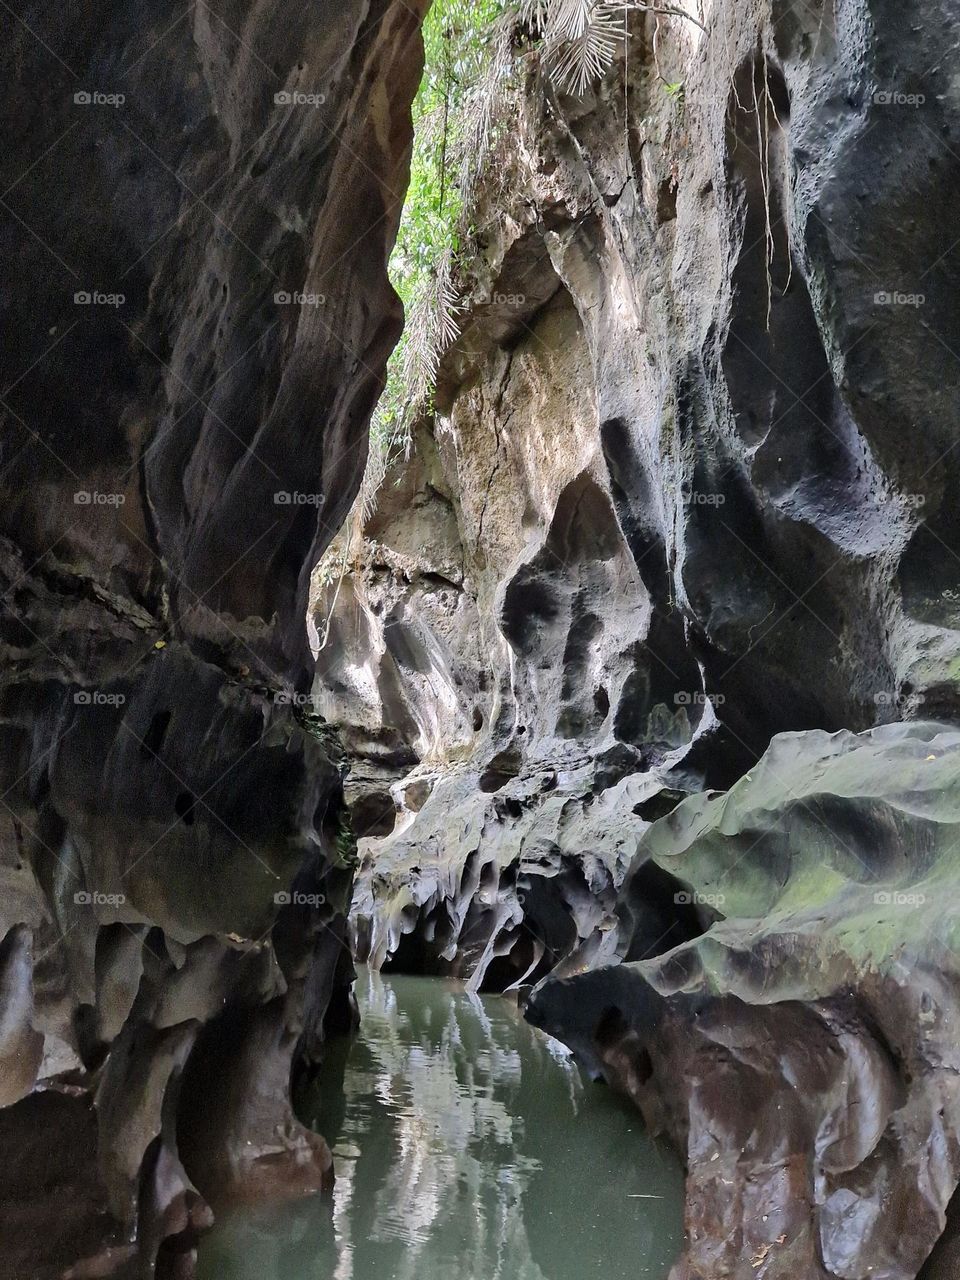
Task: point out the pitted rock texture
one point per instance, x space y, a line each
498 700
689 480
692 473
802 1052
197 209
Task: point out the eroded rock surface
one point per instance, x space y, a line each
802 1051
196 214
690 485
689 481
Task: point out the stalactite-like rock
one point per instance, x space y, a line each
695 464
197 209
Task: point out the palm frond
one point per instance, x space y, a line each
431 327
570 19
485 105
378 459
534 14
581 40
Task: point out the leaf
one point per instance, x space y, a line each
581 40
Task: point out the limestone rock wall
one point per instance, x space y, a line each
801 1050
197 209
688 484
692 475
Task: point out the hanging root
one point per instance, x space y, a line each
771 107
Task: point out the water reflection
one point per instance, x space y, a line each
467 1145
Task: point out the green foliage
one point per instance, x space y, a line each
345 842
461 108
451 133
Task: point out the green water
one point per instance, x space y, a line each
467 1146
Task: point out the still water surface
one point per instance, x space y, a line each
467 1146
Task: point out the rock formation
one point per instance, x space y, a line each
197 208
682 524
802 1052
689 487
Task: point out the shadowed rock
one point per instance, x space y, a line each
802 1052
199 203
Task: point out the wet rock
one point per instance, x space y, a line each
21 1045
800 1051
695 481
200 206
679 495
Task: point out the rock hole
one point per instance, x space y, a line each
661 912
373 814
184 807
503 768
153 738
658 806
667 201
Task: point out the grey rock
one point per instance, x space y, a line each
199 205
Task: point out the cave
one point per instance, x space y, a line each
480 563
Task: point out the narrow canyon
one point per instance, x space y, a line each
480 636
